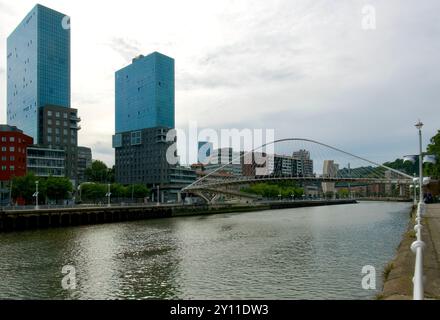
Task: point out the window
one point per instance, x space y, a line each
57 122
3 168
136 138
49 122
4 149
12 158
12 149
57 114
49 113
3 139
11 139
49 130
3 158
12 168
65 115
49 139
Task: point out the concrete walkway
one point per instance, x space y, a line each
398 285
431 236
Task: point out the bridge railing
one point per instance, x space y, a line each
418 247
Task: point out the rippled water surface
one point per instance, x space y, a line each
308 253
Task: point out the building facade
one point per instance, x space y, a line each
38 84
305 163
38 67
144 115
144 94
84 162
13 146
225 160
330 170
59 128
140 157
46 162
204 151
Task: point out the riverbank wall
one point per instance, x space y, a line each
399 273
20 220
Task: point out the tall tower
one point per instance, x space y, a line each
38 68
145 94
38 86
144 113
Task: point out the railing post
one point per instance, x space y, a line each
417 248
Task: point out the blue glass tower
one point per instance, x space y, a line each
38 67
145 94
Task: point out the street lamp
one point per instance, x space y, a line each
36 195
108 195
419 127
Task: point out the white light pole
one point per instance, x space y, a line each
108 196
158 195
36 195
419 127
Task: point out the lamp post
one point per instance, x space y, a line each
108 195
36 195
158 195
419 127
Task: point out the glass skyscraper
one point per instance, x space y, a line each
145 94
38 68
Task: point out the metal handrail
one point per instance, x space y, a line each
417 248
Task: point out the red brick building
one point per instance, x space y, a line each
13 146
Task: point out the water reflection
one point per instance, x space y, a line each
308 253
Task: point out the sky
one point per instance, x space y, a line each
308 69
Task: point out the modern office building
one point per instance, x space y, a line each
84 162
144 115
38 68
205 150
257 164
46 162
145 94
330 170
225 160
305 163
59 128
141 157
38 83
286 166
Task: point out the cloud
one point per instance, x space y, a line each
304 68
125 47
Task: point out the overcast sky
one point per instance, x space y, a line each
305 68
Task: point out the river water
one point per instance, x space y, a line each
305 253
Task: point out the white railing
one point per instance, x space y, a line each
417 247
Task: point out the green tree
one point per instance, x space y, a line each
57 188
119 191
24 187
139 191
433 170
98 172
93 191
273 190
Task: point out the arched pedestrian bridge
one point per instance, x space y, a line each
304 161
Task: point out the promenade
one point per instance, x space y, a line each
398 284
